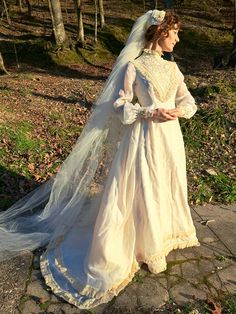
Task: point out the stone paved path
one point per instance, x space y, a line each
193 274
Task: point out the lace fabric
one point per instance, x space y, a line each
166 88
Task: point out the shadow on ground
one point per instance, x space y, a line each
13 186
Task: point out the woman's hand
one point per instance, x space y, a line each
163 115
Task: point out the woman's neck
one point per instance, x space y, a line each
154 47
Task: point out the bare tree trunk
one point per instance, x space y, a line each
19 3
101 13
57 22
29 7
234 27
67 18
80 25
2 67
96 21
6 12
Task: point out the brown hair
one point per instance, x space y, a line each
154 32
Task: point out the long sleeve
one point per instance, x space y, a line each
123 106
184 100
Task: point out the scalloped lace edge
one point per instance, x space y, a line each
156 264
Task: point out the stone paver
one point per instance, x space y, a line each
31 307
193 274
13 276
224 225
185 292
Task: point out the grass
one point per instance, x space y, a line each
209 139
230 305
19 138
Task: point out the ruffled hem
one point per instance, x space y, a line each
89 303
156 264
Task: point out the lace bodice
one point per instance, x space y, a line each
156 83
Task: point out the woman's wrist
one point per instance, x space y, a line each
145 113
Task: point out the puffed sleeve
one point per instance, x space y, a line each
184 100
123 106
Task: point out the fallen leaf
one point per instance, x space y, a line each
215 308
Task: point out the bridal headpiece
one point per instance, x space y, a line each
157 17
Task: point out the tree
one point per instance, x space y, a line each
96 21
2 67
150 4
28 7
19 3
223 60
232 57
80 25
101 13
5 9
234 26
57 22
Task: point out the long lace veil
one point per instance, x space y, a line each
72 195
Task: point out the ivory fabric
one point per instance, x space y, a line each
143 213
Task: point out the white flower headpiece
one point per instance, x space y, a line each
157 17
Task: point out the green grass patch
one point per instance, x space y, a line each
65 57
20 147
20 137
229 305
209 145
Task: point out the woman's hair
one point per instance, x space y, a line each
154 32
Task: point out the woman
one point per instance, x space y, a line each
98 235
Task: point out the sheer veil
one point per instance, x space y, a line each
72 195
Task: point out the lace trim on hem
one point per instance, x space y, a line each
179 243
156 264
101 297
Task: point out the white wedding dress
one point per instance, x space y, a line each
143 213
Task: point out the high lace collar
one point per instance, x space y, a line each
153 52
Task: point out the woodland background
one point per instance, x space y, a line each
55 57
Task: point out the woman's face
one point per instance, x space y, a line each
167 43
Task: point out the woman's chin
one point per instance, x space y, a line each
168 50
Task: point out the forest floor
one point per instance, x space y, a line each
48 96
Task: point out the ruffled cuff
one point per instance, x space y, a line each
130 113
126 111
187 111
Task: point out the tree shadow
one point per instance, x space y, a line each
35 56
13 186
32 50
90 63
208 20
197 50
66 100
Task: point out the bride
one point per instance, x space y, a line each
120 198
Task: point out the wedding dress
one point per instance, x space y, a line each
142 212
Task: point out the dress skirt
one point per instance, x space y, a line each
142 215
